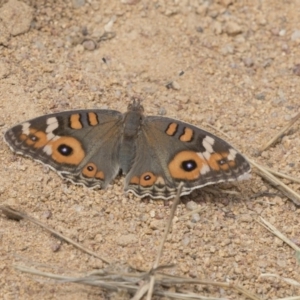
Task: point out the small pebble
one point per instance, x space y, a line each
89 45
245 218
191 205
232 28
162 111
282 32
260 96
17 16
295 35
127 239
248 62
173 85
78 3
186 240
55 247
296 70
47 214
199 29
195 217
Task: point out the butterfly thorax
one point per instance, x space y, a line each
131 127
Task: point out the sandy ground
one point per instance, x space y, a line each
235 65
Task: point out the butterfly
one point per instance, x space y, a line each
91 147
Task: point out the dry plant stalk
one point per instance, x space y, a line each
280 235
129 281
114 281
280 133
16 215
287 191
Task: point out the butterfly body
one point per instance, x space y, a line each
90 147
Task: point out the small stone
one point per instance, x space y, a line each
173 85
213 14
4 36
162 111
277 101
131 2
17 17
127 239
267 62
227 49
202 10
78 3
4 69
47 214
225 2
195 218
156 224
55 247
248 62
295 35
186 240
89 45
109 26
246 218
281 263
212 249
152 213
191 205
260 96
296 70
232 28
199 29
98 238
282 32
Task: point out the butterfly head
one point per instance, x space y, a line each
135 105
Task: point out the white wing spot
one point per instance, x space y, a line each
48 149
52 124
207 144
206 155
25 128
232 154
205 169
244 176
160 180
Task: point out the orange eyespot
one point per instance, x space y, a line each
219 161
35 138
147 179
67 150
89 170
186 165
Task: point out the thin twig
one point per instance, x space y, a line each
280 133
17 215
280 235
115 283
287 191
282 175
160 249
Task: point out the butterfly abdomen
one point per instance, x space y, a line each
131 128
